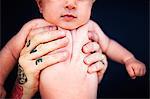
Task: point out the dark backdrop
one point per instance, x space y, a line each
126 21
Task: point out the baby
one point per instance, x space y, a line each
72 15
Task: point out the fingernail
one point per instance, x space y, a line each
85 49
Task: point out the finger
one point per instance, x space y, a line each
101 73
42 38
46 48
96 67
93 36
137 70
41 29
143 69
105 63
140 72
131 72
90 59
91 47
50 59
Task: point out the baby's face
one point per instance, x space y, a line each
67 14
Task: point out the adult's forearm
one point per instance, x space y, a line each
7 62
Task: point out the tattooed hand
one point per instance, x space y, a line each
34 59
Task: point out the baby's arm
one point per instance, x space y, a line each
117 52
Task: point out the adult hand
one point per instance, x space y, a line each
95 59
34 59
10 53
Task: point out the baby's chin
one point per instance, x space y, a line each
69 27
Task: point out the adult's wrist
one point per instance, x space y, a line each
28 93
22 92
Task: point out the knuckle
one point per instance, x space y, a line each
36 38
31 34
22 60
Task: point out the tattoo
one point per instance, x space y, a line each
38 60
22 78
28 44
33 51
17 92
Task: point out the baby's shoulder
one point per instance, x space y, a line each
92 23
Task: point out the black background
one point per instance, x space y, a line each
125 21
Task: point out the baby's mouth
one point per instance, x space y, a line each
68 17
